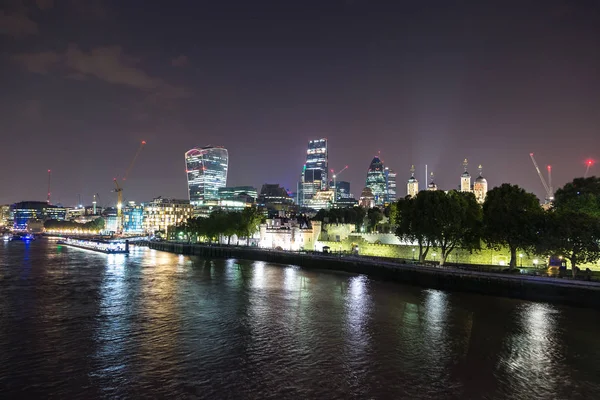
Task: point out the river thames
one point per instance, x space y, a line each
79 324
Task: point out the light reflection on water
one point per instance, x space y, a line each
81 324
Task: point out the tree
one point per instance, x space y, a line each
374 217
455 221
412 222
576 235
511 218
581 195
251 218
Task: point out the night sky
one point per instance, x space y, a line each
83 82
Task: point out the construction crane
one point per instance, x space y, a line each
49 177
119 189
547 187
335 175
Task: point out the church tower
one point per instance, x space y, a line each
412 187
431 185
480 187
465 178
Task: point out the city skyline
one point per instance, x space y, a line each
82 86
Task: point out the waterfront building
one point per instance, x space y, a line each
367 199
314 175
480 187
465 178
412 187
390 185
5 215
206 170
133 218
27 212
74 212
289 234
160 214
376 181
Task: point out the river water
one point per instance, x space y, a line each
79 324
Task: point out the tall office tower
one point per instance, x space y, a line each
376 181
480 187
206 169
465 178
390 185
314 173
343 190
412 187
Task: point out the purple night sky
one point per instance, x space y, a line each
424 82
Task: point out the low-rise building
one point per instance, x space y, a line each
289 234
161 213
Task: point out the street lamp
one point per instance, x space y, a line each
434 254
535 262
521 258
413 251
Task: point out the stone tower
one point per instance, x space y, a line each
465 178
412 187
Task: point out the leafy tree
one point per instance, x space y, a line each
455 221
412 222
581 195
511 218
576 235
251 218
374 217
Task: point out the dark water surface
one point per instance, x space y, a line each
78 324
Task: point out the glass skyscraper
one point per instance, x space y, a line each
206 169
390 185
314 173
376 181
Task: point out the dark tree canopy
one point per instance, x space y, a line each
511 218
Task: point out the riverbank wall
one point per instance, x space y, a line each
571 292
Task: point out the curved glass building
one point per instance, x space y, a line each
206 169
376 181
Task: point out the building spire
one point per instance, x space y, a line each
412 171
465 164
431 177
480 170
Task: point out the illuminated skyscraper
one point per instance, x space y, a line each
376 181
314 173
390 185
206 169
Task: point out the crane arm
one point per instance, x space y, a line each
537 168
139 150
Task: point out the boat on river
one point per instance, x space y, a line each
100 246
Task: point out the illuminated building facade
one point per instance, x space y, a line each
376 181
289 234
390 185
465 178
5 215
160 214
367 199
27 212
133 218
480 187
236 192
343 190
412 187
206 169
314 175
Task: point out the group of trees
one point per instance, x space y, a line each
94 225
222 224
510 218
359 216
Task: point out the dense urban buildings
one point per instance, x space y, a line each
314 175
236 192
206 169
133 218
26 213
275 199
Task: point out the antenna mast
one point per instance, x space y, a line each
49 178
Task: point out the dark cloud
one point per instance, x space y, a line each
181 61
17 24
107 63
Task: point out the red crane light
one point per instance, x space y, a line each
590 162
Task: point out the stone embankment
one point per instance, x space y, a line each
565 291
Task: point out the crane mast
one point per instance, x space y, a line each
547 188
119 188
49 178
